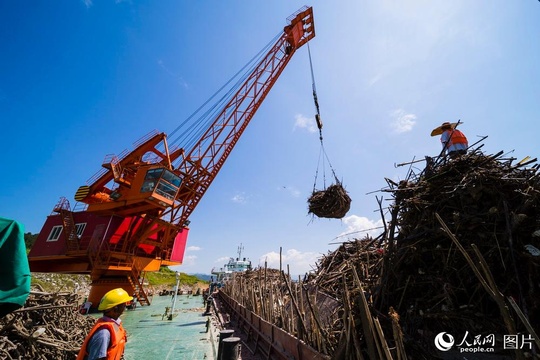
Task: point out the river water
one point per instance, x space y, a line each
152 336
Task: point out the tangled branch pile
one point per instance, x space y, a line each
277 299
459 255
47 327
334 202
491 211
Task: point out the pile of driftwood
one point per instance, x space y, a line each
49 327
459 254
334 202
299 310
321 309
351 274
463 254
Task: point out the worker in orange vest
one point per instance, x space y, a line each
453 141
107 339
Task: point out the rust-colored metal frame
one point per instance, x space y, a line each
202 163
199 166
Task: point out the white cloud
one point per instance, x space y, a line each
359 226
402 122
187 264
303 122
188 260
87 3
222 260
239 198
193 248
299 262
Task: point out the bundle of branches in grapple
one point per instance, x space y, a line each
334 202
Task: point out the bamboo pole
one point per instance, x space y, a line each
261 307
268 310
365 317
382 340
303 329
314 313
489 284
398 335
290 315
524 320
351 324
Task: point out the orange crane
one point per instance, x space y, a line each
137 207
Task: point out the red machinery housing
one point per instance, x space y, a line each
137 207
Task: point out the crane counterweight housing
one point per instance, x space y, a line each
132 217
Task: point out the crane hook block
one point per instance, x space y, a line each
319 121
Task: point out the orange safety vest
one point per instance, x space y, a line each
118 340
457 137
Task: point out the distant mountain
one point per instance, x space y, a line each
204 277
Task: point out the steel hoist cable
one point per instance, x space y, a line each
322 153
191 129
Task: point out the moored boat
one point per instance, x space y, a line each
237 264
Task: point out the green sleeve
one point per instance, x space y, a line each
14 269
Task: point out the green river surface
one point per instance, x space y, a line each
152 336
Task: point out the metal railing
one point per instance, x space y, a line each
266 338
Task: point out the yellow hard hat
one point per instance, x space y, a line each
113 298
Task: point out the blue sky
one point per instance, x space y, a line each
83 79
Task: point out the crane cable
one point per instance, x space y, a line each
322 152
188 133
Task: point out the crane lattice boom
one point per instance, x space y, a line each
138 206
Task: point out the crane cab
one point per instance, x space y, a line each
150 187
160 184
